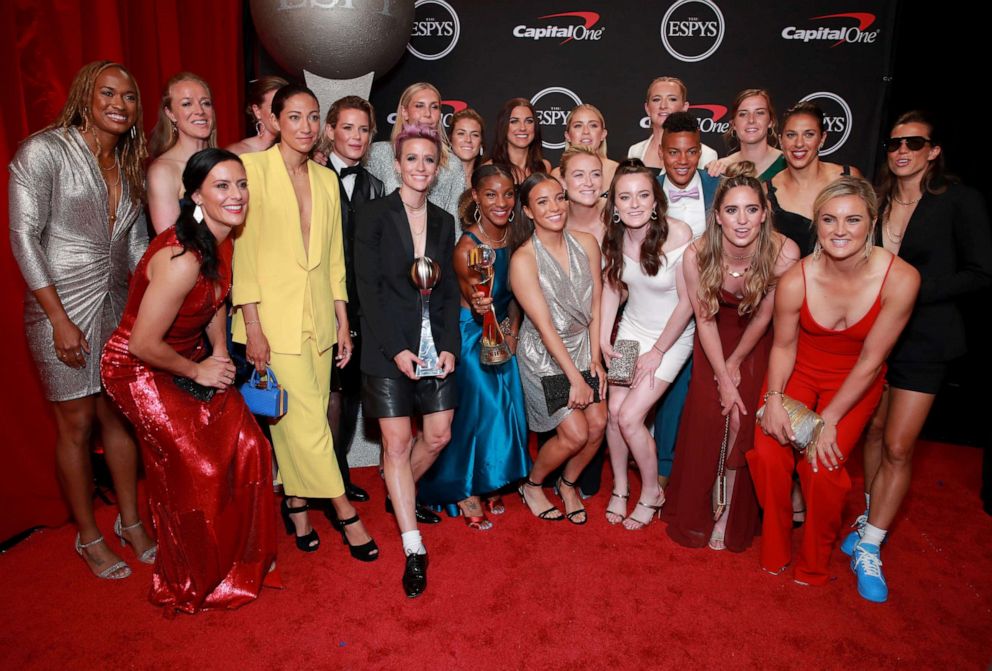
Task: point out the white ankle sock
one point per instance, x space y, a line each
413 544
873 535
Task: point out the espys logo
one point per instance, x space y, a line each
837 119
435 30
708 117
584 32
552 106
692 30
858 34
448 109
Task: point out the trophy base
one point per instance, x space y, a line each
494 355
428 372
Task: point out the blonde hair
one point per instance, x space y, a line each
571 152
164 135
132 149
671 80
849 185
586 107
760 277
405 97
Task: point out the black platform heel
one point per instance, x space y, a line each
365 552
308 543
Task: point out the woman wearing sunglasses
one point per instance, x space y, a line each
942 229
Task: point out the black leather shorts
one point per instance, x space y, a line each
403 397
925 378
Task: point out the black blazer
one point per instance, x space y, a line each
390 302
949 242
367 187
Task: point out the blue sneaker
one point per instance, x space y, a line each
867 566
853 538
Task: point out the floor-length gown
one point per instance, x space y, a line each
488 447
208 465
689 505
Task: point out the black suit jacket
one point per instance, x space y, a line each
949 242
367 187
390 302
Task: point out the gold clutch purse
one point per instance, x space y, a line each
806 424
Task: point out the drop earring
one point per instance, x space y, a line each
616 216
817 251
654 213
259 128
198 214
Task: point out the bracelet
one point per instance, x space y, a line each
247 324
655 348
771 393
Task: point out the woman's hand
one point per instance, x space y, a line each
825 450
717 167
730 398
257 348
481 303
70 344
597 371
775 420
446 362
734 371
215 372
345 346
609 354
407 362
647 365
580 394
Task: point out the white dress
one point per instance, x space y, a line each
650 305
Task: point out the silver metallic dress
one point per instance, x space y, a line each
569 298
445 191
60 235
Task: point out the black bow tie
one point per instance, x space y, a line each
350 170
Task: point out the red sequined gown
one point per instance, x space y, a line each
208 466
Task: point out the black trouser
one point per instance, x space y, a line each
347 382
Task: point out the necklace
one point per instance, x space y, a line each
493 243
414 209
115 163
737 274
907 204
743 257
892 236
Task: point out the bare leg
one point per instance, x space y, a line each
397 445
595 419
720 527
874 438
616 509
908 411
122 460
72 459
639 442
570 437
434 435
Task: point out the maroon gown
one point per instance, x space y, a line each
208 466
689 505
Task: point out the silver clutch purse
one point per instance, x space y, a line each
806 424
622 370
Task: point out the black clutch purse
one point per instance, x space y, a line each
194 389
556 388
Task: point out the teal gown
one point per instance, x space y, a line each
488 448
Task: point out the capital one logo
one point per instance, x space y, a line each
448 109
837 33
708 117
692 30
585 31
837 119
552 106
435 30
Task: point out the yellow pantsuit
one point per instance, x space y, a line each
295 291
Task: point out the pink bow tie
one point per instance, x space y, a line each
677 195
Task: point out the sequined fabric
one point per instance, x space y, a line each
60 235
569 298
445 191
208 465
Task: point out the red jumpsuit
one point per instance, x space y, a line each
824 358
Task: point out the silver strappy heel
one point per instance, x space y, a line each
146 557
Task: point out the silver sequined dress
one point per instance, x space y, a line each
445 191
569 298
60 235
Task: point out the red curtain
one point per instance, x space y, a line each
42 45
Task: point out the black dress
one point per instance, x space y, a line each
794 226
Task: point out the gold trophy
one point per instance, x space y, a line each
425 274
493 349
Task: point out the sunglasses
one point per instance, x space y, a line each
913 143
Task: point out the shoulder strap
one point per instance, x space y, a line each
473 236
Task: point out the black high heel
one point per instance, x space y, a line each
552 514
365 552
308 543
573 516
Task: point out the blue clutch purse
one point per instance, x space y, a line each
263 394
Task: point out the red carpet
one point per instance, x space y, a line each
532 595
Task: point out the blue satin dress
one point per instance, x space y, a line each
488 448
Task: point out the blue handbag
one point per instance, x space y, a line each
264 396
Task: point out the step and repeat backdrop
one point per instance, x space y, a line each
560 53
